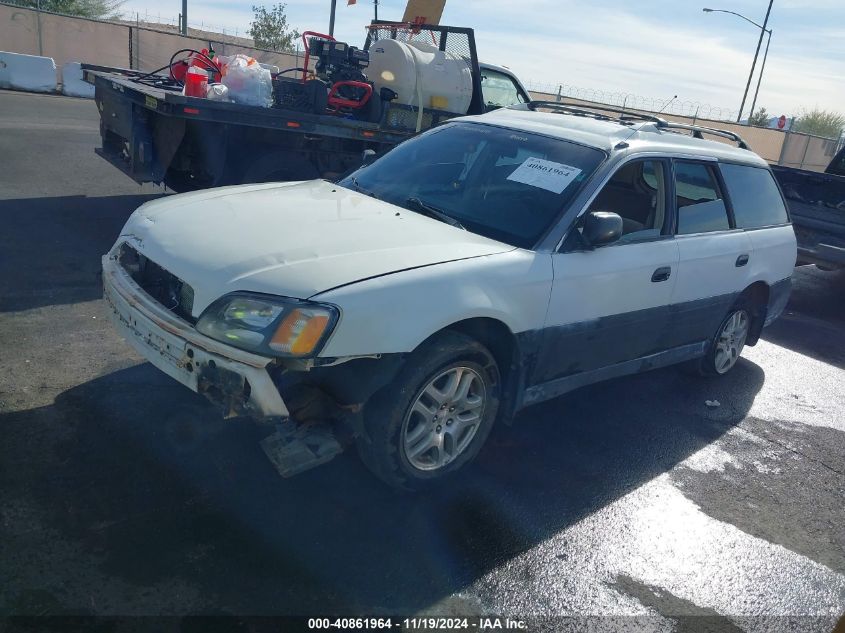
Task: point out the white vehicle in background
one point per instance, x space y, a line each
491 263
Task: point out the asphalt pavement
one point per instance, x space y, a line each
125 494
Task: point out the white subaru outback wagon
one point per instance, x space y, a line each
488 264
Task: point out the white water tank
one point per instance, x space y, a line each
421 73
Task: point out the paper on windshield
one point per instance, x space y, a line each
545 174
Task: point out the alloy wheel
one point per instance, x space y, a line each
730 341
444 418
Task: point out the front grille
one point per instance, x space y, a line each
163 286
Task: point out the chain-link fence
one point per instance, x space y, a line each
670 105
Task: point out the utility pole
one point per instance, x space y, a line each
760 77
38 20
754 63
375 4
331 18
184 17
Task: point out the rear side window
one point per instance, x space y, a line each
701 206
754 196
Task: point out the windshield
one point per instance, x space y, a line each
500 183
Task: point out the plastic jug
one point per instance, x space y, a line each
196 82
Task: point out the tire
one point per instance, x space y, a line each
727 344
405 448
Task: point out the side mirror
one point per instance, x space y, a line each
602 227
367 156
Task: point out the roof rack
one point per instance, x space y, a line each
698 131
627 117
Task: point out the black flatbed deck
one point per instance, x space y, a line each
169 102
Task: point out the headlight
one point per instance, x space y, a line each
273 326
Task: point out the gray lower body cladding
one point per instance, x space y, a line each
562 358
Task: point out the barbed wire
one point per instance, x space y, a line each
636 102
146 17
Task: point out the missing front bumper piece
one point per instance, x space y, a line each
294 448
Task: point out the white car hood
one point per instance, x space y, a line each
290 239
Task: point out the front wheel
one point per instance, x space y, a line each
434 418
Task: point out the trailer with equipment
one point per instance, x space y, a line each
322 117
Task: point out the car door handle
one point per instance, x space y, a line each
661 274
742 260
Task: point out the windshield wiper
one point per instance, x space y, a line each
432 212
360 189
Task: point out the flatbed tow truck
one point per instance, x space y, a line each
153 133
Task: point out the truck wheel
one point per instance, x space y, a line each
435 416
728 343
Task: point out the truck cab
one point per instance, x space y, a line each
500 87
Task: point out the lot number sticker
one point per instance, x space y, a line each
545 174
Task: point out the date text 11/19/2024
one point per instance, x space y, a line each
416 624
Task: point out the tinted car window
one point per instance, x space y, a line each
700 204
506 185
754 195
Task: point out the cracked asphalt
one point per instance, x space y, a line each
125 494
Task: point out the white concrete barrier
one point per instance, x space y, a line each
72 83
27 72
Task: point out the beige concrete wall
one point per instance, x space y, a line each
76 40
67 39
18 30
153 50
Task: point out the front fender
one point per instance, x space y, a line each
395 313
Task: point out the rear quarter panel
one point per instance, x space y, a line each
772 261
774 252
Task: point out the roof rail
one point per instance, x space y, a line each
628 116
625 115
698 131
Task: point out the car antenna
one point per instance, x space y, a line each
624 142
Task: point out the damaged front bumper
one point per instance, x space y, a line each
234 379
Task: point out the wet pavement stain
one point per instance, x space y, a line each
686 616
756 491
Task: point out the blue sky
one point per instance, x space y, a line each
653 48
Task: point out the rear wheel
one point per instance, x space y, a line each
727 345
435 416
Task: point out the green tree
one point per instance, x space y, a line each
820 122
98 9
270 28
760 118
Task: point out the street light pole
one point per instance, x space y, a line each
754 63
184 17
763 30
762 69
331 18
